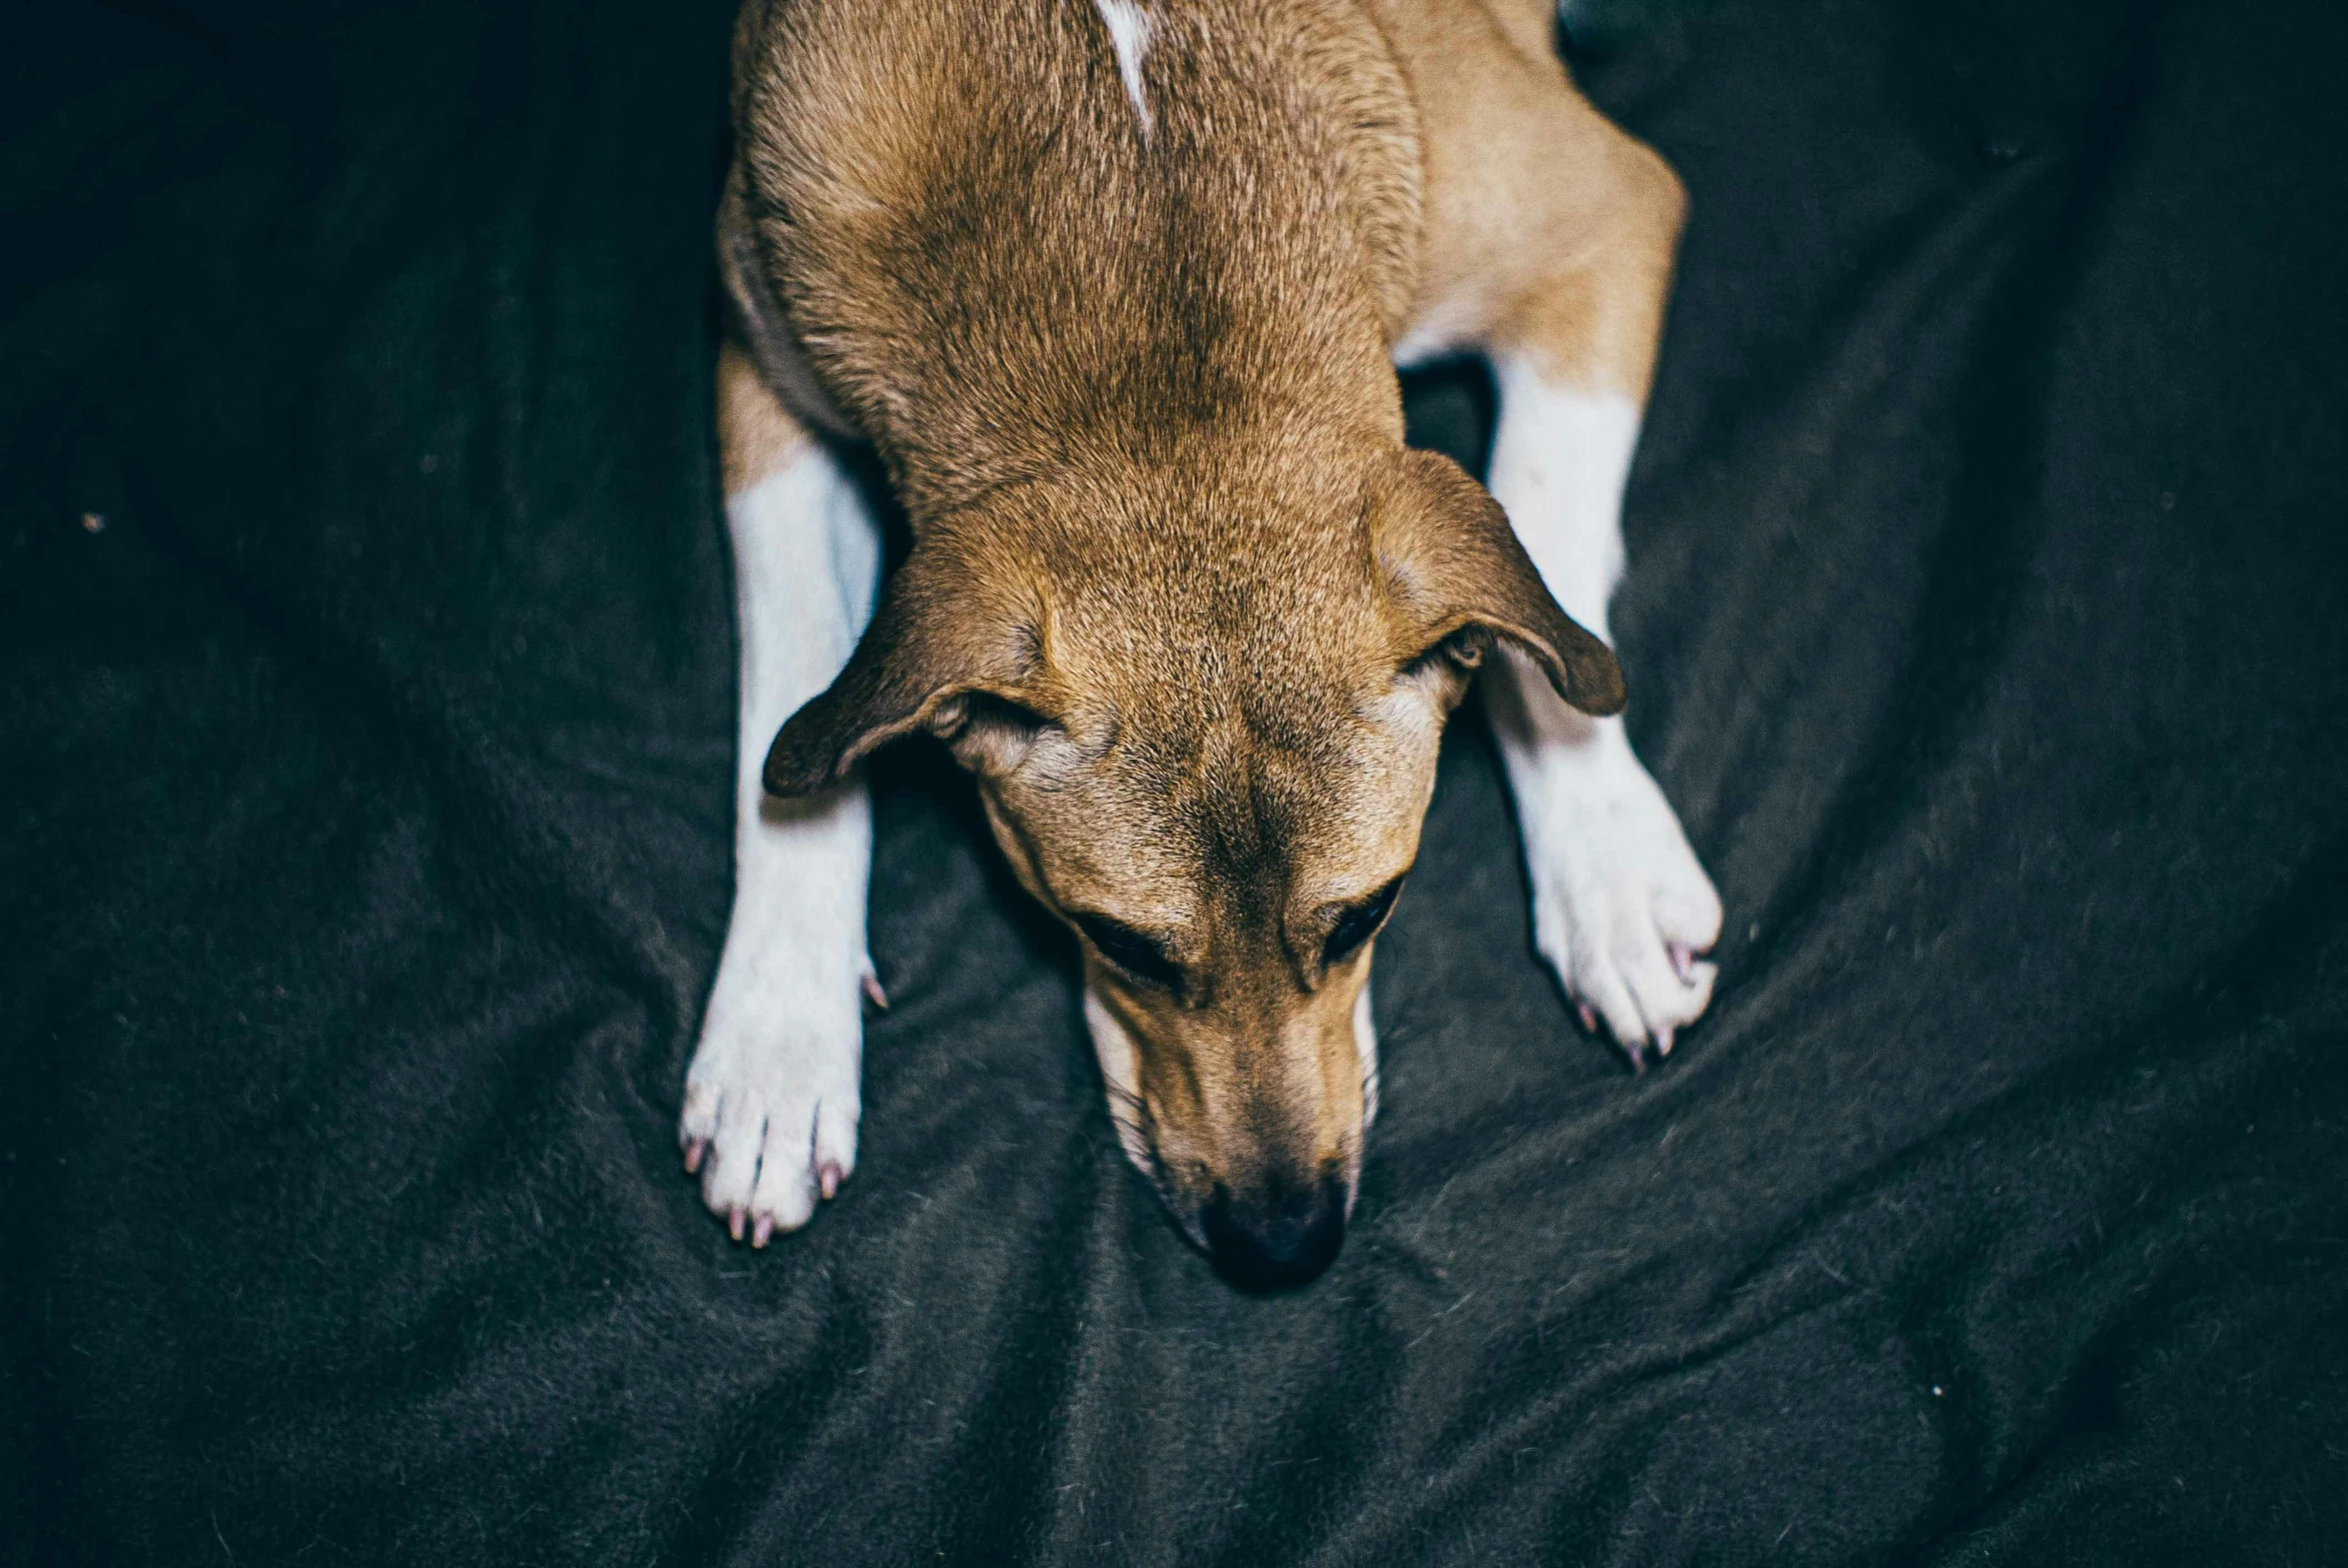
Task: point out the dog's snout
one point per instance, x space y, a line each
1281 1238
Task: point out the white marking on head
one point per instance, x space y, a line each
1130 29
1121 1070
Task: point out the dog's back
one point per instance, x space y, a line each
1012 230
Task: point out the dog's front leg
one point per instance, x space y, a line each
771 1101
1621 905
1551 239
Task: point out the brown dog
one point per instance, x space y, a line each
1116 290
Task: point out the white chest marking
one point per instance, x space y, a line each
1129 34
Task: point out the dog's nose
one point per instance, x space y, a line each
1283 1238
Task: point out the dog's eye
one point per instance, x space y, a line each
1132 951
1357 924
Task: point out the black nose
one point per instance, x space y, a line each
1282 1237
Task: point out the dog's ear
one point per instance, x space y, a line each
1456 577
937 657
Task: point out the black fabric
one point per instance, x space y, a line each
368 745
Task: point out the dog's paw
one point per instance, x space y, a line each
1621 908
771 1101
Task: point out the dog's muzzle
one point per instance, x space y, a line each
1279 1238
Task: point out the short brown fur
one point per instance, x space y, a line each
1179 597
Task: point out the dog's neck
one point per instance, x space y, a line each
1169 339
1144 387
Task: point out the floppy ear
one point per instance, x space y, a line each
1456 577
935 658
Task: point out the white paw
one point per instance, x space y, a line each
1621 905
771 1101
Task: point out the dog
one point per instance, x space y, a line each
1116 291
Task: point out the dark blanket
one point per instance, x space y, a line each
367 722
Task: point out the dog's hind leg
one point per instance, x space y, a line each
771 1100
1551 239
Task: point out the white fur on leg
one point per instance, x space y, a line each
771 1101
1559 461
1621 905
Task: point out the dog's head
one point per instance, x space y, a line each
1202 703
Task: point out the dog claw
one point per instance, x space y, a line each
770 1101
1588 1016
1684 964
872 993
828 1180
1664 1041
